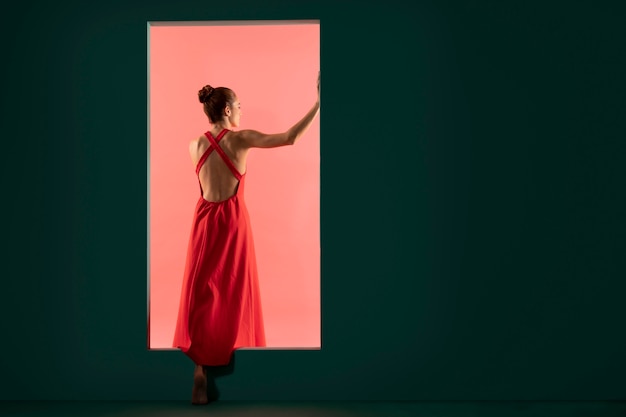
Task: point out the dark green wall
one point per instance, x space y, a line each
473 209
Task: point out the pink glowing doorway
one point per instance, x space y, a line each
272 67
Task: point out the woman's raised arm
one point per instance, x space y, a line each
254 139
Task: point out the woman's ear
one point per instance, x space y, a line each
227 111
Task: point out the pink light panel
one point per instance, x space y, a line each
273 70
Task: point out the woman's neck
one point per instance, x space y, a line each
222 125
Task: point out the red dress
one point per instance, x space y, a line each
220 306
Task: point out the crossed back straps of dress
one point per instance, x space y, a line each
222 154
220 151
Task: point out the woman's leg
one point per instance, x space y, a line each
212 392
199 392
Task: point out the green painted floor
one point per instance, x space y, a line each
313 409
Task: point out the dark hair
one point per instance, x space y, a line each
215 101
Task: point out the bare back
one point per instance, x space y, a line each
217 181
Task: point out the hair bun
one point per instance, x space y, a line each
205 93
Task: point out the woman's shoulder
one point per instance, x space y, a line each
233 138
198 145
194 143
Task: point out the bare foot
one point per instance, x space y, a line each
199 392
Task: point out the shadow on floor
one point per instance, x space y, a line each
312 409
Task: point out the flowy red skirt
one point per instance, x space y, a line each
220 307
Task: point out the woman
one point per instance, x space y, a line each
220 307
